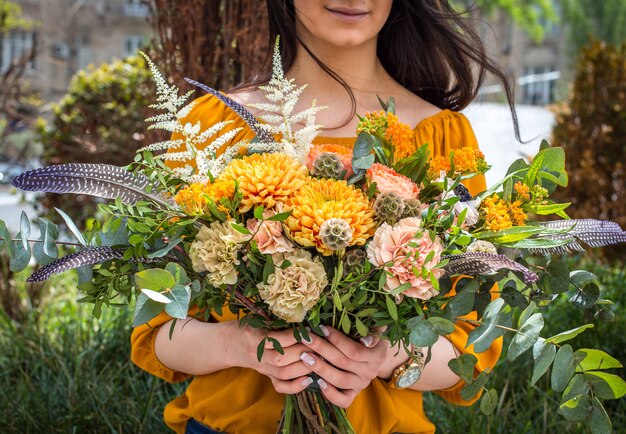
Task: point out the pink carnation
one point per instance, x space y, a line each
401 249
269 238
387 179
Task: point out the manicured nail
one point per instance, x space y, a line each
307 382
308 359
367 341
322 384
324 330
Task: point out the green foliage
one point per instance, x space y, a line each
591 128
11 17
604 21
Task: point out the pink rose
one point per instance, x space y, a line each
401 249
269 238
387 179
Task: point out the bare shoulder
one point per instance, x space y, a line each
247 96
412 109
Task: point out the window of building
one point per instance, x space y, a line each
539 84
83 51
132 44
13 46
136 8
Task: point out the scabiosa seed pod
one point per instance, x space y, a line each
354 261
481 246
336 233
328 165
389 206
412 208
463 193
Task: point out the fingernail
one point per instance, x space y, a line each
308 359
307 382
367 340
324 330
322 384
309 340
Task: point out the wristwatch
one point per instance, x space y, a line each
409 372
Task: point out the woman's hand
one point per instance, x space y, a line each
288 374
345 366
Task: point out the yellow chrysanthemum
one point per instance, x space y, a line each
192 199
266 179
401 136
496 213
437 164
468 159
324 199
517 215
523 192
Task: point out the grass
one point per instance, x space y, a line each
64 372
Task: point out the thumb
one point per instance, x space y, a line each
373 338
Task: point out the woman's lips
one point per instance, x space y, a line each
348 15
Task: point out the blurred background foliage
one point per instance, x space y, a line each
62 371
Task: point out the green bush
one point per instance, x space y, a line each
592 129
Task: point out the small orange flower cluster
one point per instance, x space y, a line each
401 136
523 192
438 164
372 122
500 215
193 199
469 159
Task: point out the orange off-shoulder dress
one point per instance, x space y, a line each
239 400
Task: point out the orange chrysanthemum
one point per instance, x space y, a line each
401 136
468 159
523 192
437 164
193 198
496 213
324 199
266 179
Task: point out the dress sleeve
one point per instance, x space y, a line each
446 132
208 110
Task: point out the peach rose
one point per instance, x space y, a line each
270 237
344 153
387 179
402 249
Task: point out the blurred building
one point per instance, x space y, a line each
75 33
72 34
539 68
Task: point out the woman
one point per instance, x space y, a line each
349 53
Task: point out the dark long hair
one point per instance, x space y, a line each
426 46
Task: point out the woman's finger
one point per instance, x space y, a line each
291 387
337 377
373 338
289 355
341 398
353 350
331 353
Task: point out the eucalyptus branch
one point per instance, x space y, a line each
476 322
250 305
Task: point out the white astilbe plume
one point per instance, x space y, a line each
279 118
207 164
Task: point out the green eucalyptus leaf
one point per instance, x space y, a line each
543 353
165 250
145 310
489 402
25 230
156 296
570 334
489 321
580 278
422 333
605 385
21 257
442 326
155 279
599 420
577 408
461 304
49 233
526 337
526 313
180 296
72 227
179 273
563 369
595 360
6 242
586 297
557 280
464 367
578 385
471 390
506 320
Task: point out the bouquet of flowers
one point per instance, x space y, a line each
290 235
